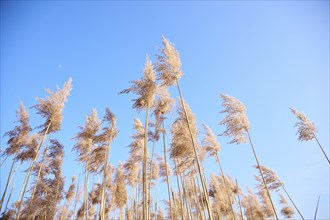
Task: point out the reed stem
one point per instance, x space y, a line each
30 171
292 202
10 175
262 175
144 175
167 181
209 209
226 187
321 148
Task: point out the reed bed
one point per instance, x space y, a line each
131 190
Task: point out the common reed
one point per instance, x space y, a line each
212 147
50 109
169 69
307 130
237 127
134 189
86 139
145 89
18 139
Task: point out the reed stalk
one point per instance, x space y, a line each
317 207
167 181
205 191
239 200
102 205
178 182
10 175
30 171
39 171
144 167
11 191
321 148
286 192
226 187
75 201
2 162
261 173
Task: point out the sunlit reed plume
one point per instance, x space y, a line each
287 211
162 168
307 130
169 64
18 137
252 207
51 107
236 122
120 192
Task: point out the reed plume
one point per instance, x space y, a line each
236 122
287 211
237 127
182 149
169 69
252 207
102 153
120 192
211 145
86 139
49 191
164 169
274 184
145 89
51 109
64 210
307 130
162 106
169 64
18 139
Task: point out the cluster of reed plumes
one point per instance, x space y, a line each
130 191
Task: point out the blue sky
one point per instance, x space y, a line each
271 55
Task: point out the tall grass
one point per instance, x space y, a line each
131 190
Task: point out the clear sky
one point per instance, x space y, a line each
271 55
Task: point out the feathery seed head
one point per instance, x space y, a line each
19 136
145 88
181 145
51 107
236 120
287 211
306 128
271 179
169 64
210 142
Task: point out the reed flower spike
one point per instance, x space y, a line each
236 121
